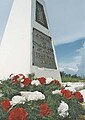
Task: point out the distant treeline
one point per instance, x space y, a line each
71 78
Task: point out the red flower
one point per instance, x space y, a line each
79 96
62 91
18 114
42 80
27 81
21 75
15 79
67 93
58 83
45 110
6 105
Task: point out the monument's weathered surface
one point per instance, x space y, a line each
27 44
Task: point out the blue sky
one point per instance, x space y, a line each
71 57
67 18
69 49
67 21
5 6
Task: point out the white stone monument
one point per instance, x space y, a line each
27 45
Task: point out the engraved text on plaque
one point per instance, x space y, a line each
43 55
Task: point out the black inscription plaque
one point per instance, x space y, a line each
40 15
42 54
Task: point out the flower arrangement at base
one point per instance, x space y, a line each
26 97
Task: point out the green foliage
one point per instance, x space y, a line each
10 89
71 78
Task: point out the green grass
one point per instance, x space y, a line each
70 79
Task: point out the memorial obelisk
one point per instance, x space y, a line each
27 45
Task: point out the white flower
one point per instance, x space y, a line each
1 94
22 80
63 109
49 80
11 76
35 82
20 77
18 100
83 94
25 94
57 92
22 85
72 89
36 95
69 84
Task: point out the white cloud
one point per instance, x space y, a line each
70 68
68 38
81 66
77 66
